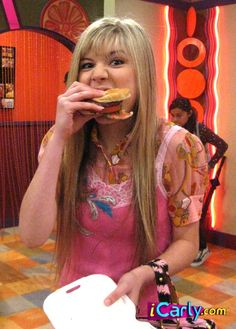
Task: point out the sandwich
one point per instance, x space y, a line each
112 102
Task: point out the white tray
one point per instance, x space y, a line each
80 305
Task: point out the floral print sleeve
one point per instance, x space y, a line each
44 142
185 177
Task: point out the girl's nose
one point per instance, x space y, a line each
99 72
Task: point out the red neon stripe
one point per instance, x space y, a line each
215 90
172 56
170 59
209 114
167 61
11 14
212 92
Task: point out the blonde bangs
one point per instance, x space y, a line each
112 40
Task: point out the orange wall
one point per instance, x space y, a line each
41 63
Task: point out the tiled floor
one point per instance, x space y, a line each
26 278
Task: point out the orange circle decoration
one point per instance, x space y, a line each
201 52
66 17
190 83
198 107
191 21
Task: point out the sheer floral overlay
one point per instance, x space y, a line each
45 141
184 177
114 169
181 169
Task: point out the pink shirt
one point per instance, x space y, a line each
108 247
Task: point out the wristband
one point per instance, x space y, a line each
165 288
160 268
159 265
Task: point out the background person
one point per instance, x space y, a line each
182 113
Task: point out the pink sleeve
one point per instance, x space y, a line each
185 177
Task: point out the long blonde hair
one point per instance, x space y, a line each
128 34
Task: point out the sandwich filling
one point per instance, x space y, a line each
112 103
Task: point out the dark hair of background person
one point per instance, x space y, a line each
185 105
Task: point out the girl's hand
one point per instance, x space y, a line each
72 107
130 284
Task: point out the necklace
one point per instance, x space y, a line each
114 158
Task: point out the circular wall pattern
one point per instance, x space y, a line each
64 17
201 52
199 109
190 83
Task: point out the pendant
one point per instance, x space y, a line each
115 159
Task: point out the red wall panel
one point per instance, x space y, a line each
41 63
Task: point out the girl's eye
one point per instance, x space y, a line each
85 66
116 62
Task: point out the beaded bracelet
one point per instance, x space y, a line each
158 265
165 288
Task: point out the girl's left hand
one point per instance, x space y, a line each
130 284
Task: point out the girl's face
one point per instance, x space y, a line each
179 116
107 69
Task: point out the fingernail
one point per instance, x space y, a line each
107 302
101 92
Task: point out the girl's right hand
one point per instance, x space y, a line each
72 107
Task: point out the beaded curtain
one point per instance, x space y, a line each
41 57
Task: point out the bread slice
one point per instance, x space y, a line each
113 95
